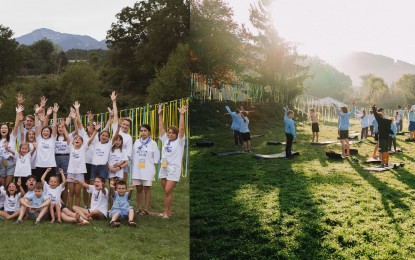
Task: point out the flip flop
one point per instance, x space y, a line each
132 224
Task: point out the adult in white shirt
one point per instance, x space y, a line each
145 155
125 127
171 157
364 122
45 139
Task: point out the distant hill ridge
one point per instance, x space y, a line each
65 40
357 64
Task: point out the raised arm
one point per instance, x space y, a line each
34 149
97 127
162 131
37 126
182 111
63 177
116 131
19 185
77 121
83 184
19 119
44 175
228 110
55 119
7 148
65 132
114 106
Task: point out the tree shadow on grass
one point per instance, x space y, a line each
388 195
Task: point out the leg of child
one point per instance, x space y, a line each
52 213
343 147
147 191
81 211
316 136
394 143
131 221
140 198
168 198
58 212
78 188
23 209
115 217
95 214
86 195
248 145
4 214
347 146
375 151
71 194
14 215
43 212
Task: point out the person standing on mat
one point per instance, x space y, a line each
384 127
364 122
289 131
376 136
371 118
244 130
402 115
344 118
398 121
392 137
411 118
236 125
314 124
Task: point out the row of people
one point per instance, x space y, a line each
86 154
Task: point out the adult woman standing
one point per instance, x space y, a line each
171 157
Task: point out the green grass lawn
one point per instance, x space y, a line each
306 208
153 238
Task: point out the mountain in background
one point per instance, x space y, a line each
65 40
357 64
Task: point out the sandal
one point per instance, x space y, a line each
132 224
114 224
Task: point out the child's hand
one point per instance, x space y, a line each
112 183
43 101
113 96
49 111
19 109
76 105
48 169
61 171
182 110
19 181
72 178
37 108
5 145
110 111
55 108
160 108
90 116
97 127
34 145
20 98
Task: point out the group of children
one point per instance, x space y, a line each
49 161
240 127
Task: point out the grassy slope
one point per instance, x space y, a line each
153 238
308 208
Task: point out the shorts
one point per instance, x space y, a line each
12 212
383 145
87 175
376 136
315 128
411 126
76 176
122 212
8 170
141 182
62 161
171 173
246 136
344 134
99 170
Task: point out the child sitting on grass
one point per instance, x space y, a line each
54 190
35 205
121 208
12 203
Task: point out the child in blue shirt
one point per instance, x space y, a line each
392 137
344 123
35 205
289 131
121 208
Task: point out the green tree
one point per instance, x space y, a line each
272 61
172 81
141 41
373 89
326 81
9 55
215 46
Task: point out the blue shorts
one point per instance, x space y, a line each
99 170
411 126
7 170
62 161
122 212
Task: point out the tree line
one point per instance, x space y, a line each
146 62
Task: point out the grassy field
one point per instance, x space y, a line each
153 238
306 208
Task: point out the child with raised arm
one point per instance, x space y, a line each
118 158
8 162
289 131
246 137
127 141
172 155
99 200
344 118
145 156
23 161
35 205
364 122
384 127
54 190
121 208
236 125
314 124
14 191
371 118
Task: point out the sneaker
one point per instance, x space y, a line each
37 222
18 221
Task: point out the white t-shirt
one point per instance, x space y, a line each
23 166
12 145
53 194
145 154
127 140
77 159
33 157
12 203
370 118
3 195
99 201
101 153
61 146
45 156
173 150
115 157
364 121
